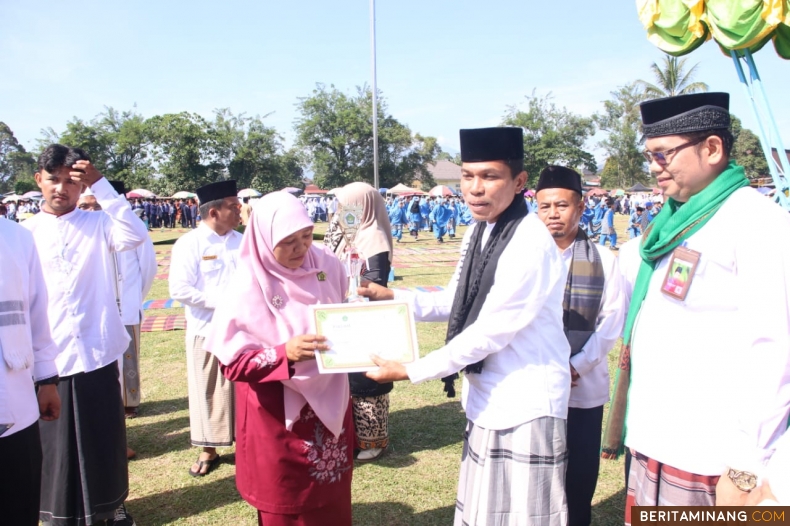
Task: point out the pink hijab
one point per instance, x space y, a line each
265 305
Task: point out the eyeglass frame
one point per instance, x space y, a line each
651 156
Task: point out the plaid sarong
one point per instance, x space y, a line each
651 483
514 476
583 292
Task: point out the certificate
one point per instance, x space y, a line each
354 331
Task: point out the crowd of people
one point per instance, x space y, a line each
167 213
701 299
19 210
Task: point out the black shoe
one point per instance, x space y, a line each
121 518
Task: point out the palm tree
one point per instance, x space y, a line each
672 80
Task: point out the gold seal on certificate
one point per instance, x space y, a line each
354 331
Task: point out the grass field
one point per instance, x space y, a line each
413 484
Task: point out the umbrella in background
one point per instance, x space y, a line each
441 191
12 197
401 188
33 194
249 192
183 194
383 191
142 192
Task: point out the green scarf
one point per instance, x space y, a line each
671 227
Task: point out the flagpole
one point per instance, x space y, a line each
375 95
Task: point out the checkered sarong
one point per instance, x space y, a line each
651 483
514 477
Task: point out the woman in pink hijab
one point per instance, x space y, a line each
294 429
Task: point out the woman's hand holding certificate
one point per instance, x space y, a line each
355 331
302 348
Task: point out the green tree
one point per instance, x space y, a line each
747 150
260 161
335 131
552 135
118 144
16 164
181 149
22 186
625 164
445 156
672 79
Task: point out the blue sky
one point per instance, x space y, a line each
442 64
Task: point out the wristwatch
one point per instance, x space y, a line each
743 480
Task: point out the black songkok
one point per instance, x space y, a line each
685 114
559 177
214 191
492 144
119 187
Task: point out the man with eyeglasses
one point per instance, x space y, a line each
706 402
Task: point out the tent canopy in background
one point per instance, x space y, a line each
639 187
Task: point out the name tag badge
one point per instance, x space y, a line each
209 258
680 273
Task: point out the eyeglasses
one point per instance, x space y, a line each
664 157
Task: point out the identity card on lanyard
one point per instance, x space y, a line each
680 272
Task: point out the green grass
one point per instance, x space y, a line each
413 484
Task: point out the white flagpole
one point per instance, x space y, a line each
375 95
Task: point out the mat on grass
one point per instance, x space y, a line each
162 304
174 322
427 288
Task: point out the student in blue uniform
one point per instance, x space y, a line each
439 217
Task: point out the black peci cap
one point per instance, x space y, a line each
685 114
559 177
492 144
214 191
119 187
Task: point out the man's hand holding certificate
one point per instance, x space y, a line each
356 331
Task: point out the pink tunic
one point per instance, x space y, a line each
280 471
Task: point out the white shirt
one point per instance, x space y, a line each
201 266
75 249
136 272
777 472
21 280
592 389
710 384
519 333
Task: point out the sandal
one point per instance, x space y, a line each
369 455
210 465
